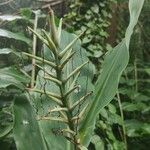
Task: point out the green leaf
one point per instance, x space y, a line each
16 36
43 103
11 76
9 17
137 128
98 143
126 106
26 12
147 71
114 63
7 51
26 130
6 124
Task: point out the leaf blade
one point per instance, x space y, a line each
26 129
114 64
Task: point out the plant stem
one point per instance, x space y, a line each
65 99
122 118
136 75
34 51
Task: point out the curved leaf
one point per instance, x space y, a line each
7 51
10 76
97 142
9 17
114 64
26 130
16 36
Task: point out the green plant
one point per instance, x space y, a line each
14 39
134 84
57 96
93 17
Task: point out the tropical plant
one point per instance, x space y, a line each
60 111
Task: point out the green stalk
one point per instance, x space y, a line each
136 75
122 118
65 99
34 51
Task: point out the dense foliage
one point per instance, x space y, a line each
93 18
121 124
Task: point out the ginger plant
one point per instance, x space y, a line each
66 83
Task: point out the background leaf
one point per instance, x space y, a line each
16 36
7 51
10 76
26 130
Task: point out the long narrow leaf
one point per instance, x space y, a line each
114 64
